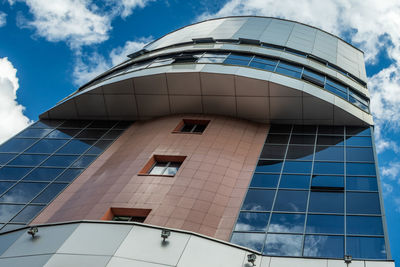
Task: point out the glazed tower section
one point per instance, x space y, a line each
227 142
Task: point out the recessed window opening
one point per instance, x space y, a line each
163 165
191 126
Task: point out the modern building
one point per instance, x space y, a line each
230 142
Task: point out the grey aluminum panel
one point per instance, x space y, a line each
284 262
145 244
201 252
30 261
252 29
95 239
61 260
341 263
46 241
277 32
302 38
228 28
6 240
120 262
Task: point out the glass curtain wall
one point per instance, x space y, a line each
314 193
41 161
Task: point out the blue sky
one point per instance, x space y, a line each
49 48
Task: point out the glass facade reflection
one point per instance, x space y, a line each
314 193
42 160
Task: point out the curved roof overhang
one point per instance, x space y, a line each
209 89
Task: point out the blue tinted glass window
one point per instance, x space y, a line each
273 152
63 133
269 166
295 181
288 72
363 203
286 223
38 133
49 193
330 140
250 240
313 77
300 152
283 245
359 131
359 154
16 145
264 180
326 202
366 247
358 141
76 146
325 224
265 61
13 173
279 128
336 91
304 129
287 200
60 161
8 211
102 124
361 183
27 214
85 161
4 158
4 186
238 60
43 174
46 146
360 169
364 225
252 221
324 246
95 134
258 200
331 153
327 181
113 134
289 66
10 227
277 138
302 139
328 167
333 130
28 160
259 65
297 167
22 192
46 124
74 124
69 175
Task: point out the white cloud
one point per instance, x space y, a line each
3 19
77 22
11 113
391 171
126 6
88 67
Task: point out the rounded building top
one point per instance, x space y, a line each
273 31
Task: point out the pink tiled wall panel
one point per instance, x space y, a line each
204 196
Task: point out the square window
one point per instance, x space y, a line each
126 215
191 126
162 165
